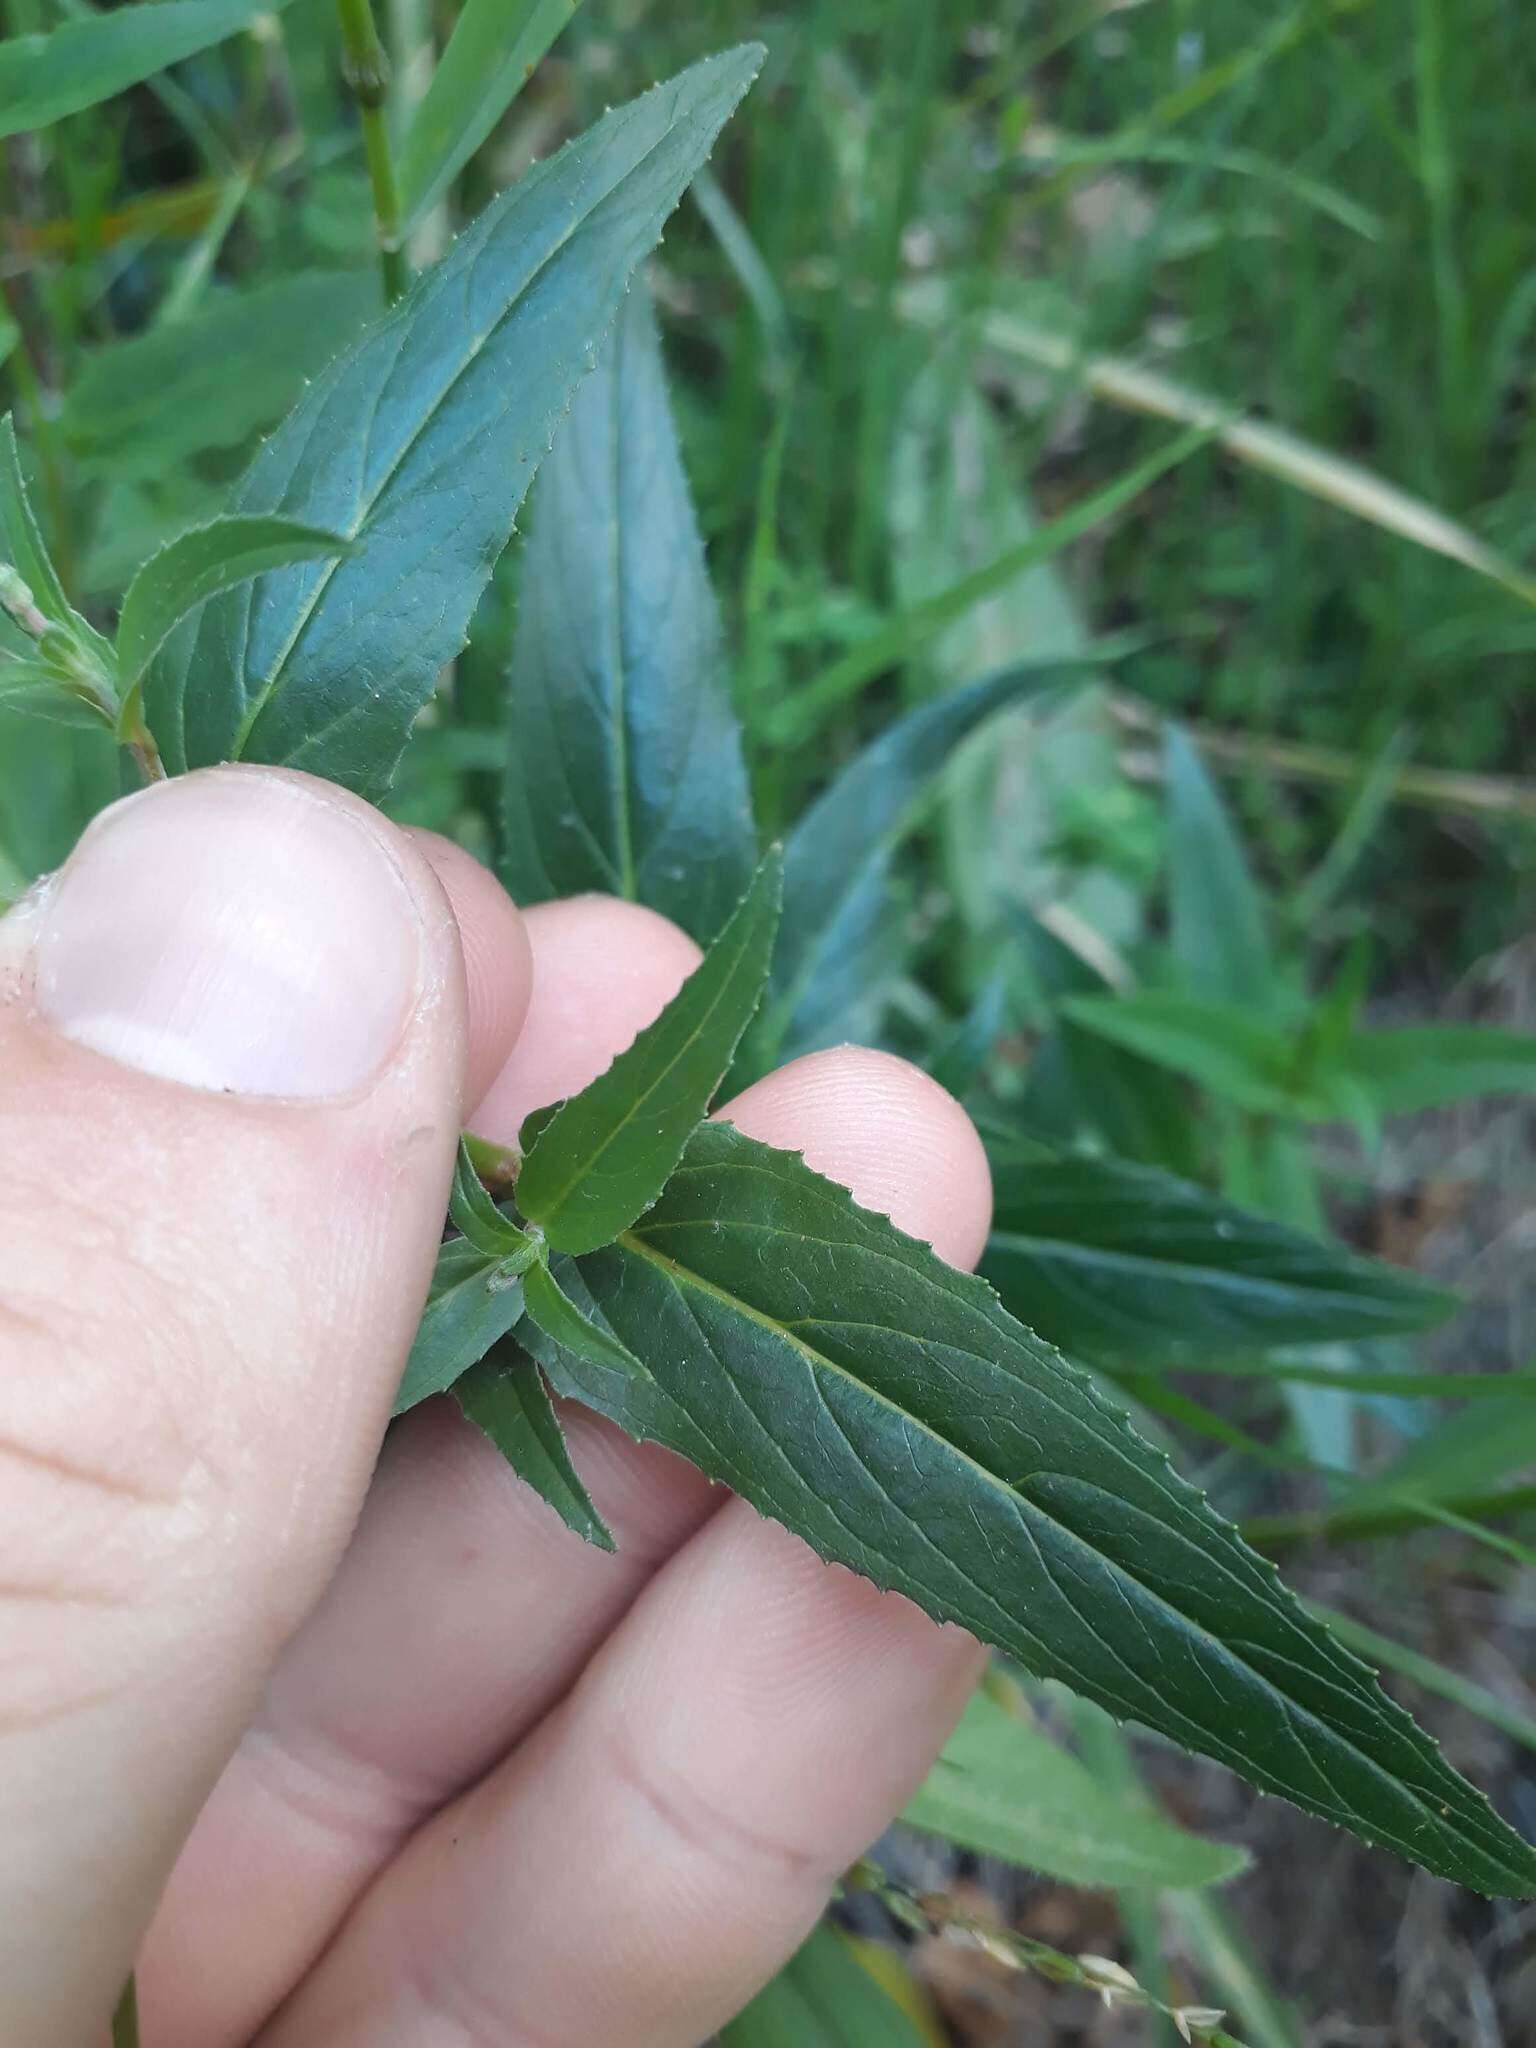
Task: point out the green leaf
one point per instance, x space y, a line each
474 1301
199 562
1216 917
53 781
624 768
143 405
1465 1454
1119 1261
835 859
1425 1066
1080 1086
885 1407
801 712
419 443
488 59
960 1058
604 1156
1429 1673
1001 1788
1225 1049
505 1396
569 1327
474 1214
823 1998
77 64
23 541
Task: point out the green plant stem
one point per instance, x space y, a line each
366 69
125 2021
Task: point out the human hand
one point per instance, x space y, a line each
423 1768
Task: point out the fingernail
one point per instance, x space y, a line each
235 930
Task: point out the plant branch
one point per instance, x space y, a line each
935 1913
366 70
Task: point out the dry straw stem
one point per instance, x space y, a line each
1255 442
1432 789
936 1913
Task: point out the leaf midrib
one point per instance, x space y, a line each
257 705
1428 1802
618 713
583 1167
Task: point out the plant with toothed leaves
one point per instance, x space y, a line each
700 1289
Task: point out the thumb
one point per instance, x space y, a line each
231 1052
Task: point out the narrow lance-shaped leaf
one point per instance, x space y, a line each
1226 1049
835 857
1214 909
1001 1788
20 536
569 1326
474 1301
889 1410
602 1158
77 64
1424 1066
1119 1261
624 770
505 1396
419 443
477 1290
488 59
201 561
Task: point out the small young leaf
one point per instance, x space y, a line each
1112 1260
201 561
888 1409
570 1327
1216 916
474 1214
487 61
836 854
81 62
474 1301
505 1395
420 442
604 1156
624 768
1001 1788
20 538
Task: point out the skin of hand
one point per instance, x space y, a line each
347 1746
